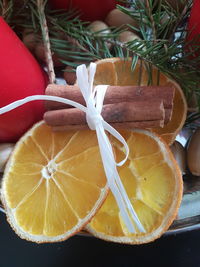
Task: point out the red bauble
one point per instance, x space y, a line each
194 26
20 76
90 9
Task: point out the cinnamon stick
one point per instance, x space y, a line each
116 125
114 94
140 114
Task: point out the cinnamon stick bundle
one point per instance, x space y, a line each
125 107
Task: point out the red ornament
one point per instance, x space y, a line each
194 26
20 76
90 9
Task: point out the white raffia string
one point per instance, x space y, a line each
94 104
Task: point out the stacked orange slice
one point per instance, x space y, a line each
151 176
54 182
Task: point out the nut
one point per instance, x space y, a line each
101 29
193 103
127 36
117 18
5 152
99 26
193 153
40 55
30 40
69 75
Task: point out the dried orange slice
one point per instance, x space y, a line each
153 183
115 71
53 184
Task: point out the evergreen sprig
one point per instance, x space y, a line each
162 30
6 9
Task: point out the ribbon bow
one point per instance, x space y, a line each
94 98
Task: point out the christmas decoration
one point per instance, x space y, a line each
20 76
56 231
142 45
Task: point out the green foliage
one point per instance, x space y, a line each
6 9
162 29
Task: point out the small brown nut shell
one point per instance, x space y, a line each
180 155
69 75
30 40
193 103
127 36
98 25
117 18
101 28
5 152
193 153
40 55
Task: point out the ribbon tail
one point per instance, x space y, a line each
120 138
28 99
129 206
83 81
126 209
100 94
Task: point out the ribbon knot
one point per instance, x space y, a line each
93 120
93 96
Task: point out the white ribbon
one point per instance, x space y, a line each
94 104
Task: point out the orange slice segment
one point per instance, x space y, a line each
125 76
153 183
53 184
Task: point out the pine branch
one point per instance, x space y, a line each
150 14
162 29
6 9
